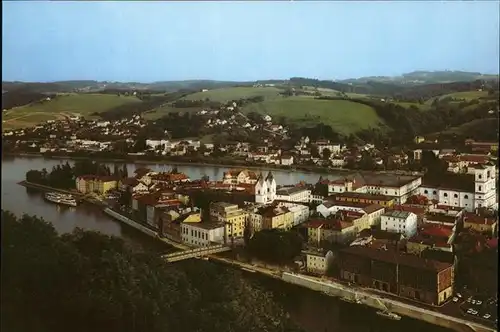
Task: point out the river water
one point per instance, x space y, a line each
314 311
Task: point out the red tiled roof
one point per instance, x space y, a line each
409 208
474 218
436 230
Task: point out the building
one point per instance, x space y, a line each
202 234
287 160
235 176
300 212
468 191
404 275
265 189
482 224
384 201
398 186
231 216
433 237
277 217
294 194
95 184
318 262
373 211
399 222
343 228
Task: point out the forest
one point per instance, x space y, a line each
86 281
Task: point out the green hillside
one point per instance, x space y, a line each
227 94
342 115
62 106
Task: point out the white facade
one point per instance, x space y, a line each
327 209
294 194
287 161
318 263
255 221
401 193
484 194
201 235
300 213
265 189
400 222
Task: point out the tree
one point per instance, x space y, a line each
86 281
326 154
276 246
125 171
314 151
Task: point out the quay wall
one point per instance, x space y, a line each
380 303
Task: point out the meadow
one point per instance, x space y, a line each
62 107
234 93
343 116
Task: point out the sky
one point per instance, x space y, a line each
244 41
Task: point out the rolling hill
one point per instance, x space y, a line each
343 116
62 106
234 93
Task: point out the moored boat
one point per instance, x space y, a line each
389 315
63 199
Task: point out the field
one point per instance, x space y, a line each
227 94
164 110
423 107
342 115
466 95
61 107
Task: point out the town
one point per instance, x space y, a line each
430 240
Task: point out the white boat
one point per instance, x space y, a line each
62 199
389 315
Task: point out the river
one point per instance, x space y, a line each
314 311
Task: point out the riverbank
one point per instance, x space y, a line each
49 189
266 167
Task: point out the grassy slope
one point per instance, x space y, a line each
164 110
467 95
226 94
63 105
342 115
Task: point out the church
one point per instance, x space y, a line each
265 189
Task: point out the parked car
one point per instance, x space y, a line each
455 299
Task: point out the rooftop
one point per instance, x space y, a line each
397 214
372 197
397 258
290 190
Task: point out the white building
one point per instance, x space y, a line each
201 234
300 212
475 191
402 222
373 211
318 262
399 186
294 194
265 189
287 160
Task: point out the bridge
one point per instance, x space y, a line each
197 252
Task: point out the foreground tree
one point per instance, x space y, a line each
86 281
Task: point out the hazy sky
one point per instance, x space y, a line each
154 41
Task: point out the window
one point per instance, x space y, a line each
425 191
466 197
480 188
445 195
434 192
456 196
480 176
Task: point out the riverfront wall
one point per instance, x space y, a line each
379 303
